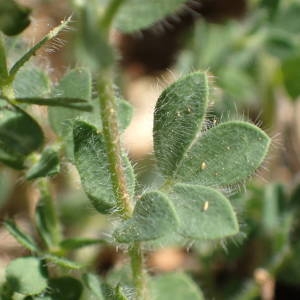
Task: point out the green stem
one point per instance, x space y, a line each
110 13
3 64
138 274
112 141
51 218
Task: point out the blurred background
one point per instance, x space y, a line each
251 48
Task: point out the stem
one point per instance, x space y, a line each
3 64
137 269
110 13
51 219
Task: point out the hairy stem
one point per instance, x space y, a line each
138 273
113 146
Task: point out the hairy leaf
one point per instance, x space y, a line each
154 216
75 84
225 154
24 239
175 286
48 165
135 14
20 135
203 212
63 262
31 82
27 275
92 163
178 118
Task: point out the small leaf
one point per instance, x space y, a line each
154 216
63 262
226 154
119 293
93 284
48 165
20 134
27 275
14 18
291 73
92 163
64 288
178 117
175 286
24 239
76 243
135 14
203 212
31 82
75 84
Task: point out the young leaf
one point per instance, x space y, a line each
75 84
14 18
225 154
175 286
19 133
154 216
76 243
63 262
203 212
92 163
48 165
27 275
52 34
23 238
93 284
178 117
135 14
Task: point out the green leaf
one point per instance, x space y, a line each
125 112
31 52
203 212
76 243
63 262
31 82
24 239
20 134
272 6
178 117
175 286
75 84
226 154
7 182
154 216
93 284
291 74
63 288
14 18
135 14
27 275
92 163
48 165
119 293
288 19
